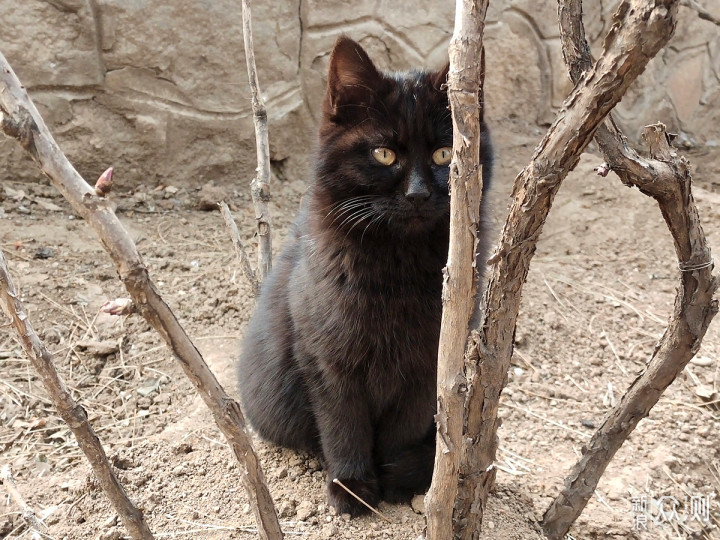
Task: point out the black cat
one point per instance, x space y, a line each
340 357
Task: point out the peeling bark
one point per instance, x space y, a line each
640 29
665 177
460 275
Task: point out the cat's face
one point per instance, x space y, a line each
385 147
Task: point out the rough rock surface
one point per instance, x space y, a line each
159 89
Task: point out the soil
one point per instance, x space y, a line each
600 290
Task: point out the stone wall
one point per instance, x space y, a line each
159 89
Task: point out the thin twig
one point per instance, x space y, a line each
339 483
260 186
22 121
548 420
239 248
73 414
28 514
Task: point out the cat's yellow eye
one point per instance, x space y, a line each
442 156
384 156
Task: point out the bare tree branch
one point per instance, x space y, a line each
460 274
260 187
21 120
666 178
72 413
6 476
240 249
639 31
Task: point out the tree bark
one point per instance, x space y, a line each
460 274
70 411
260 186
21 120
639 31
666 178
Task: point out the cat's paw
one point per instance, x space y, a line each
408 473
344 503
399 495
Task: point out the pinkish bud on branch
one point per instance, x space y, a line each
104 184
119 306
603 169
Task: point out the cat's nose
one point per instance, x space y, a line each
417 194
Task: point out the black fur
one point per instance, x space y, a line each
340 356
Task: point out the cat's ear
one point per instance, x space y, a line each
352 77
439 81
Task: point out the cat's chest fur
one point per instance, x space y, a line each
370 308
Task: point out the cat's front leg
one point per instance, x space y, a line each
405 446
343 419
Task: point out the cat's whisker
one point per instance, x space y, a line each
350 218
347 205
347 201
350 206
357 217
375 221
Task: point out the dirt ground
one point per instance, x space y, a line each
600 290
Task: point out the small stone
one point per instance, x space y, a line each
521 339
209 196
183 448
305 510
295 461
418 504
144 403
706 392
329 531
43 253
180 470
552 320
286 509
314 465
703 361
111 534
281 472
617 489
245 509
